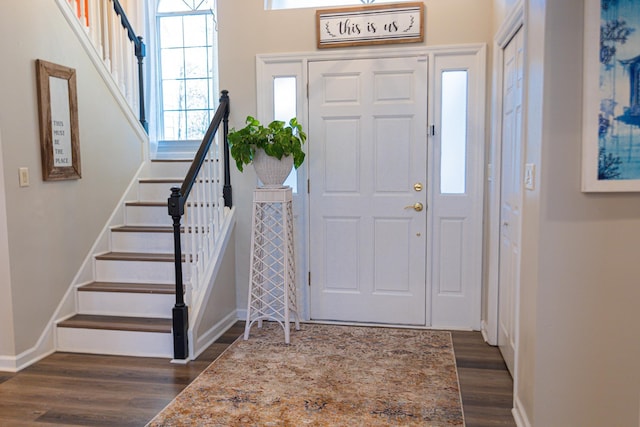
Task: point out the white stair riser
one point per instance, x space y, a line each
147 215
137 271
155 191
159 215
126 343
125 304
156 243
169 169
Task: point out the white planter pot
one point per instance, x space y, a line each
272 171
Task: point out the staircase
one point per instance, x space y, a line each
126 310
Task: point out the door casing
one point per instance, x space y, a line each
269 66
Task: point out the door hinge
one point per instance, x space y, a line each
308 186
432 130
309 279
307 90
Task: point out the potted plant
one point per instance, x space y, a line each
273 150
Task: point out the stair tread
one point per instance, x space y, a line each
171 160
156 203
140 288
160 180
143 228
151 203
117 323
136 256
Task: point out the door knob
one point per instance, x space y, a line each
416 207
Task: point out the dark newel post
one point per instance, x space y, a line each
226 189
180 310
141 52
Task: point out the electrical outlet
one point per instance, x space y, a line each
529 176
23 177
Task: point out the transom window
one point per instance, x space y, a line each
187 72
297 4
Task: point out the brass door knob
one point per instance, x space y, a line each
416 207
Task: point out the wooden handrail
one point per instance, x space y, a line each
176 204
140 52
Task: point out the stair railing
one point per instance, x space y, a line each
117 48
204 210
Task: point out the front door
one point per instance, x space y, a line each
367 197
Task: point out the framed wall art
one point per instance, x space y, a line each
370 25
611 96
58 119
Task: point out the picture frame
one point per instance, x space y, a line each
370 25
611 101
58 120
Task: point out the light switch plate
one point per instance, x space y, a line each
23 177
529 176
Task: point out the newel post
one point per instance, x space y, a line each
226 189
180 310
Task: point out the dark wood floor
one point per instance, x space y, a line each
67 389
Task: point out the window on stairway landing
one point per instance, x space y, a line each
187 67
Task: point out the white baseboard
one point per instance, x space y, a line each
215 332
26 358
485 334
242 313
519 414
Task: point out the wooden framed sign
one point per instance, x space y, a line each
58 117
370 25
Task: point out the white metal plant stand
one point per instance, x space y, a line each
272 285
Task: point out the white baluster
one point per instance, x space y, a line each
113 44
105 7
95 26
83 14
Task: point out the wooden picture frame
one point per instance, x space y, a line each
58 119
370 25
611 106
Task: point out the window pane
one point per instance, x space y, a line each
195 59
172 63
173 95
171 31
167 6
195 30
284 109
453 137
197 94
197 124
284 98
175 125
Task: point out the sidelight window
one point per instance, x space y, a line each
453 153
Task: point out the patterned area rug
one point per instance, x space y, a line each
328 376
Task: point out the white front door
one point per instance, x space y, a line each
510 197
368 170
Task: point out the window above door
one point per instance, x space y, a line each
298 4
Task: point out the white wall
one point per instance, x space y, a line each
246 29
579 317
52 225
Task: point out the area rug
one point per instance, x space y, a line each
328 376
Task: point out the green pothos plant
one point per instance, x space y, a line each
277 140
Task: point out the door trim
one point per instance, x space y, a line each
295 64
513 22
